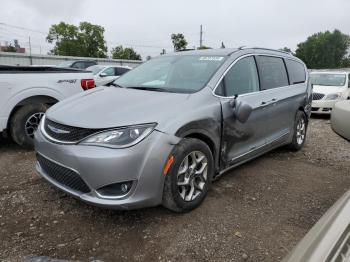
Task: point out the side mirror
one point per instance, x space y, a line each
242 110
103 75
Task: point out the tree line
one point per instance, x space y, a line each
321 50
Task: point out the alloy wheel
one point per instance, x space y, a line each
192 175
32 123
301 131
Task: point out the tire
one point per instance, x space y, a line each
178 198
299 134
24 122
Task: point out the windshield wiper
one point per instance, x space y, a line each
147 88
116 85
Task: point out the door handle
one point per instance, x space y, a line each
267 103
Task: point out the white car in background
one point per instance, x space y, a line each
106 74
329 87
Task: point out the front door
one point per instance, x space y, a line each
241 140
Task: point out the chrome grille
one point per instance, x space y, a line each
62 175
64 133
317 96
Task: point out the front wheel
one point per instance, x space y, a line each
300 128
25 122
189 178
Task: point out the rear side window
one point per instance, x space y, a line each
88 64
242 78
296 72
109 71
272 72
120 71
79 65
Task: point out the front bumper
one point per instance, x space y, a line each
322 106
100 166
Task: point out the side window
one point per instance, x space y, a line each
120 71
272 72
79 65
296 72
242 78
109 71
88 64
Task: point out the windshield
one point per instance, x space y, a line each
328 79
95 69
179 74
65 64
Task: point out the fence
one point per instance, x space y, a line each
26 59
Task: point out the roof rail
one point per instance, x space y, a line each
262 48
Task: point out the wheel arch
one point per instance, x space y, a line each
207 137
39 99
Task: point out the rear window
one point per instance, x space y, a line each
272 72
296 72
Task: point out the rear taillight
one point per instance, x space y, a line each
87 84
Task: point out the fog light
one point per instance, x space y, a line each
115 190
125 187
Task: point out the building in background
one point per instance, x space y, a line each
16 48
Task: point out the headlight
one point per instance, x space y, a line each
333 96
120 137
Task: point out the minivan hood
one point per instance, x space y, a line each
328 89
107 107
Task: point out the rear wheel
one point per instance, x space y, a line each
25 122
189 178
300 128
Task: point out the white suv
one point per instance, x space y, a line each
329 87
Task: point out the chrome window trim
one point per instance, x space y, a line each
260 91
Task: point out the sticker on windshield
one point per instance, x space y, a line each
211 58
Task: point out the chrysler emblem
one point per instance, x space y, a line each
58 131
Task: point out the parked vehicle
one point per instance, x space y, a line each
329 87
27 92
106 74
340 119
329 238
172 125
78 64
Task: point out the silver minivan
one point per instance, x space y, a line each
166 129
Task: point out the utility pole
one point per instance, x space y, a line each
30 52
201 37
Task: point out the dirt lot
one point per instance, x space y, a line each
258 212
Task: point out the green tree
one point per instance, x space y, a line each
204 47
286 49
325 50
119 52
85 40
10 48
179 42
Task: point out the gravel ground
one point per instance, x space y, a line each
257 212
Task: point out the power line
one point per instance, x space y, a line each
24 28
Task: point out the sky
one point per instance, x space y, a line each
146 25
